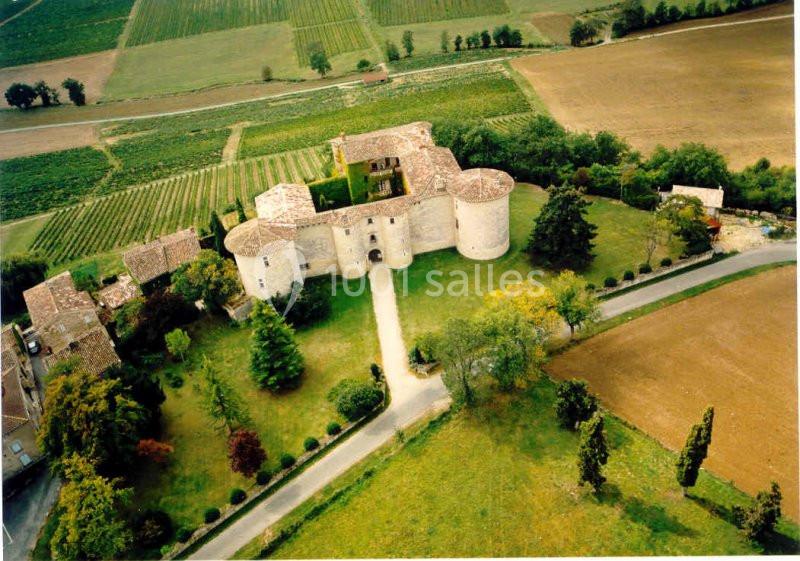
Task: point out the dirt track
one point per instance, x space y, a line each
734 348
730 87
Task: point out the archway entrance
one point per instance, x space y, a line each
375 256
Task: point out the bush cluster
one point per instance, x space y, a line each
354 399
263 477
287 460
310 444
628 275
333 428
237 496
610 282
211 515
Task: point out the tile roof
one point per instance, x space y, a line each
15 414
480 185
94 350
391 142
429 170
285 203
161 256
258 236
115 295
711 198
53 296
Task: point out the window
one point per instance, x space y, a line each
305 266
16 447
347 231
266 261
372 238
391 220
456 223
374 166
261 283
25 460
369 220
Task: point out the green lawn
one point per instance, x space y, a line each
501 480
16 237
199 475
619 245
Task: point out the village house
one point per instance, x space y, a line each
117 294
711 198
67 325
152 261
22 408
394 194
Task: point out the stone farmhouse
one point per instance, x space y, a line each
67 325
711 198
162 256
393 194
22 407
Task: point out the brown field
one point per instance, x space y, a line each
733 347
93 70
28 143
730 87
554 26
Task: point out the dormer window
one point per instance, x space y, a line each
266 261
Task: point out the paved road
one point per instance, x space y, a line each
25 513
413 398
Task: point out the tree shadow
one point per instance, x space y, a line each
654 518
715 509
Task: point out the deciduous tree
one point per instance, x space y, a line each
89 524
759 519
245 452
210 278
574 404
75 90
408 42
275 360
695 451
592 453
318 59
573 301
48 95
178 342
461 348
457 42
561 236
152 449
392 54
21 96
444 41
20 271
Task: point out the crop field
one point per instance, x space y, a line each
661 370
62 28
729 87
38 183
303 13
144 213
9 8
157 20
398 12
337 38
477 98
509 123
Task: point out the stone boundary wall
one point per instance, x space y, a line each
660 272
256 493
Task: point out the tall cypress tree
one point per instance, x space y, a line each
219 232
240 211
695 451
592 453
275 361
561 236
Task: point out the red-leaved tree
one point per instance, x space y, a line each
245 452
154 450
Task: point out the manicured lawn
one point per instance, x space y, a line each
619 245
199 475
501 480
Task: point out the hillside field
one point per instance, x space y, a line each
730 87
660 371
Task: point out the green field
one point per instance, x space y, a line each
39 183
198 475
144 213
336 38
62 28
9 8
501 481
303 13
619 245
397 12
157 20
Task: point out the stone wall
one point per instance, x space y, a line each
432 224
482 231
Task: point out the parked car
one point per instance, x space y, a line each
33 347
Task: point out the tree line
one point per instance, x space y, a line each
23 95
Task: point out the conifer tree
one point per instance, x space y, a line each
221 401
759 519
275 360
695 451
240 211
561 236
593 453
219 232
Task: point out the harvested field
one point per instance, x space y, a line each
29 143
93 70
734 348
730 87
554 25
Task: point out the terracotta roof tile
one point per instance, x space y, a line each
15 414
117 294
94 350
161 256
257 237
481 185
53 296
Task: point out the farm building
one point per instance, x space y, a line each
22 407
67 325
711 198
394 194
162 256
378 77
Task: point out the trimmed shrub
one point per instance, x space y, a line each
263 476
354 399
645 268
310 444
237 496
666 262
183 534
610 282
628 275
590 286
333 428
211 515
287 460
152 529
